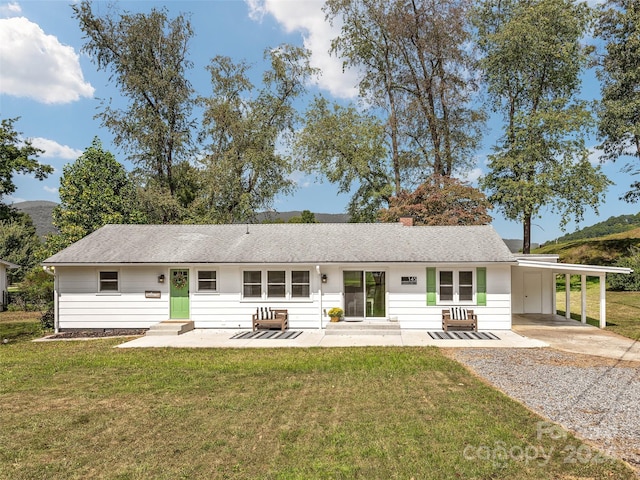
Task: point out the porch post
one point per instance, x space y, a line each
320 295
554 300
603 300
583 303
567 295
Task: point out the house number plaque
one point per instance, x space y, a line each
409 280
152 294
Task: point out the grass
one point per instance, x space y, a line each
623 308
88 410
20 326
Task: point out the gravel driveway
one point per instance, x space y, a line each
596 398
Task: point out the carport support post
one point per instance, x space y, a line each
567 295
583 292
603 300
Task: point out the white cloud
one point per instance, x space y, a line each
10 200
10 9
53 190
53 149
472 176
595 155
301 179
37 65
308 18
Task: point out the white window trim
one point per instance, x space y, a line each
456 286
99 282
207 291
289 298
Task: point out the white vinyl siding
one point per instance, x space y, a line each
82 306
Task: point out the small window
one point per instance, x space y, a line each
300 284
252 283
465 282
446 286
108 281
207 281
276 284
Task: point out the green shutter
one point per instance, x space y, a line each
431 286
481 280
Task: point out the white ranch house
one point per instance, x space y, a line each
134 276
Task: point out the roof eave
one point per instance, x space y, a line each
573 268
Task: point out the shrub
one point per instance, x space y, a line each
35 292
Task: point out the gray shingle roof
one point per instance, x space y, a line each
285 243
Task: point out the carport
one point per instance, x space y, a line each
550 267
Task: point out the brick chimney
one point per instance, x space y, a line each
406 221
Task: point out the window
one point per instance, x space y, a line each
276 284
108 281
300 285
207 281
465 286
252 283
455 286
446 286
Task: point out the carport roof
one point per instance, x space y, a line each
572 268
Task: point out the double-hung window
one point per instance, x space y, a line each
276 284
252 284
207 281
300 284
108 282
455 286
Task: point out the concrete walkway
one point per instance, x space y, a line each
213 338
575 337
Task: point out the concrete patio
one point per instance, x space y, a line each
529 331
214 338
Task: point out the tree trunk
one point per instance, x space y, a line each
526 234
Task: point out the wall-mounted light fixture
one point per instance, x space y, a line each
324 278
161 278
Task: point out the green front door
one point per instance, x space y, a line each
179 291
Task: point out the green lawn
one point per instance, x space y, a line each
84 409
19 326
623 308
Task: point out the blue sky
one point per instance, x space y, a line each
47 82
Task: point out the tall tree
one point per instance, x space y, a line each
246 128
17 156
440 201
95 190
19 244
146 55
348 149
532 61
619 73
417 67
